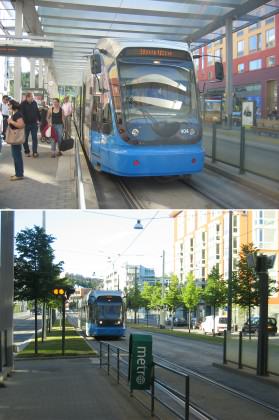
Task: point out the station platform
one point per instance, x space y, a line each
49 183
67 389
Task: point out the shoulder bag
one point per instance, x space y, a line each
16 136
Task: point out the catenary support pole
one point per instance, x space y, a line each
230 273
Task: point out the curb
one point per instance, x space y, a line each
252 375
85 356
241 180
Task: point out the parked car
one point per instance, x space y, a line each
255 322
207 326
177 322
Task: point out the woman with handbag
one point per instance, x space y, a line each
56 119
15 137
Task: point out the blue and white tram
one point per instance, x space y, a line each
102 314
141 114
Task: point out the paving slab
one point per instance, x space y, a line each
49 183
66 389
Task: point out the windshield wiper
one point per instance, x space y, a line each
145 113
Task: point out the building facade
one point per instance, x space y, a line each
255 66
127 275
6 292
201 241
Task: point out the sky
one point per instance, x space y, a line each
91 241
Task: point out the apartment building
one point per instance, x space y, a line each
126 275
201 241
255 66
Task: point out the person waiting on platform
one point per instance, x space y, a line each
16 121
31 116
56 119
4 108
67 108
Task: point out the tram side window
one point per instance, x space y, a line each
107 119
96 113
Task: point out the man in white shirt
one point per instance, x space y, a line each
4 108
67 108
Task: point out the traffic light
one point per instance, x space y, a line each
58 291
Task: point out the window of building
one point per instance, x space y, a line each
255 65
269 20
254 26
270 38
203 238
240 48
240 68
240 33
217 251
218 232
235 223
270 61
209 59
255 43
191 244
203 256
219 52
209 75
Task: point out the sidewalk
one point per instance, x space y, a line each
66 389
48 183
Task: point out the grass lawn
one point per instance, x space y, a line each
75 345
183 334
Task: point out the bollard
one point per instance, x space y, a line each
225 348
100 354
214 133
242 151
187 397
240 351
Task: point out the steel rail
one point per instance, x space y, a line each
222 386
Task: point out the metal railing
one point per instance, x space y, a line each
79 180
117 353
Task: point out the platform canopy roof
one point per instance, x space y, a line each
76 25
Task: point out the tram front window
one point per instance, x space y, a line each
159 101
109 311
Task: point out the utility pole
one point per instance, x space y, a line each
162 311
230 273
44 303
262 358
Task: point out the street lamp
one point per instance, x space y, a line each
138 225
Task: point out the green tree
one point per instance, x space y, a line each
35 272
134 300
146 295
216 292
173 297
190 294
90 282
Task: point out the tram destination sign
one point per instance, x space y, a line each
157 53
18 48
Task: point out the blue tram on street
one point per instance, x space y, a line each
102 314
140 111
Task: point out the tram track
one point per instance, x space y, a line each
200 383
207 189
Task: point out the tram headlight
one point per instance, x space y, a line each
100 322
135 132
192 131
118 323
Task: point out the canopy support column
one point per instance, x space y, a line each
229 71
18 34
